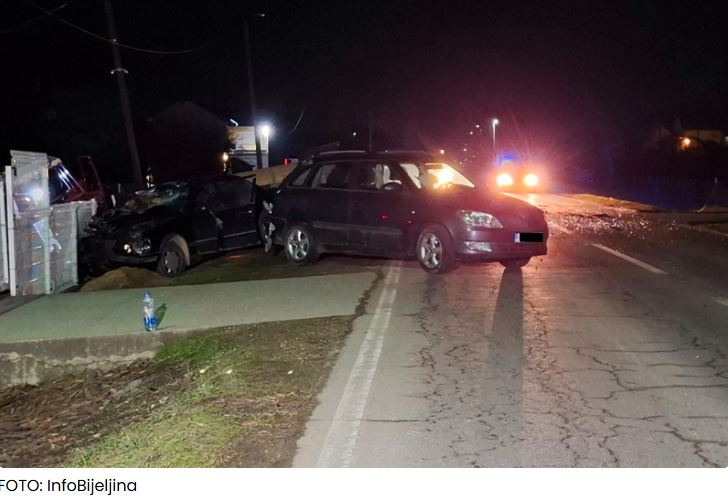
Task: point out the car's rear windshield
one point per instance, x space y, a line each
434 175
172 195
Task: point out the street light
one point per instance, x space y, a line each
494 122
266 131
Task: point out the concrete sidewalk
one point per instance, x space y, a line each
119 312
72 332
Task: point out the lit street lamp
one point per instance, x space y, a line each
265 131
494 122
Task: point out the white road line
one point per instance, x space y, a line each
639 263
341 439
706 230
720 299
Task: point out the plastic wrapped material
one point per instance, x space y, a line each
43 239
4 269
31 243
63 246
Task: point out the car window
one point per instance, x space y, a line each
373 176
332 176
434 175
413 172
301 176
232 194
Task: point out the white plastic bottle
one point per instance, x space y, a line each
150 317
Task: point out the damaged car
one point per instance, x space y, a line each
173 225
400 204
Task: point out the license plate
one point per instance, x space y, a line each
528 238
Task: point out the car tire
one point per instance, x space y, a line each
300 245
514 263
171 259
435 250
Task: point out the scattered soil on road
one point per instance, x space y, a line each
126 278
243 265
231 397
608 201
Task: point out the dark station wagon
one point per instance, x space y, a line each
400 204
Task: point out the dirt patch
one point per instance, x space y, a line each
232 397
126 278
243 265
616 202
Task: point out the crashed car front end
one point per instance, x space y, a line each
107 245
131 235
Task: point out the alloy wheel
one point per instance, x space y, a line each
297 245
171 261
431 250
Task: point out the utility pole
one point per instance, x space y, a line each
251 91
371 131
120 72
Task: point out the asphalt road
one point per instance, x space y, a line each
611 351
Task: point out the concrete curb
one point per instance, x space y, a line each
33 362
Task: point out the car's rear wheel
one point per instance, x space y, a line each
171 259
301 245
436 250
515 263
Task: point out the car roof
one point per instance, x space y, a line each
397 155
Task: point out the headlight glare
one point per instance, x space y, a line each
530 180
479 219
504 179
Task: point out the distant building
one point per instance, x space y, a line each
242 139
695 138
715 135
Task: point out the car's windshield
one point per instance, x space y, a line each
434 175
172 195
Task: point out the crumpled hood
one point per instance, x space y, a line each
513 213
122 221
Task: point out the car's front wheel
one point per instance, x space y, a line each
171 259
515 263
436 250
301 245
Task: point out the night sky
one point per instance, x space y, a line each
564 78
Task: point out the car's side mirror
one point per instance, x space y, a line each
393 187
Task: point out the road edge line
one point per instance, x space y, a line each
343 431
621 255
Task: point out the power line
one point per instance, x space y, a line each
114 42
297 122
33 19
